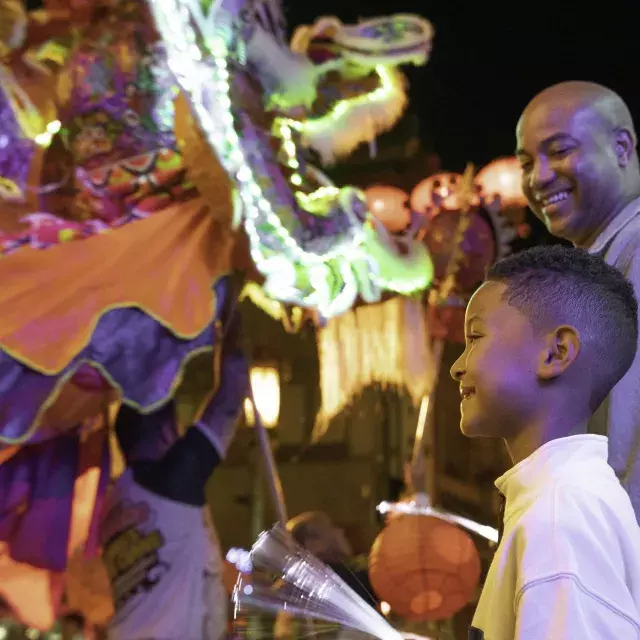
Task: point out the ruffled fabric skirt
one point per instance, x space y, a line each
135 304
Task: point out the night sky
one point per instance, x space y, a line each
490 58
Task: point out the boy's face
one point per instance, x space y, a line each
497 372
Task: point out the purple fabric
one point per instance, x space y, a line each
36 499
143 357
146 438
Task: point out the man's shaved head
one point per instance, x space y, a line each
604 103
577 147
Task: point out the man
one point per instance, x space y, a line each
581 176
159 545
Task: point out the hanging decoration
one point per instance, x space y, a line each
385 343
436 192
503 178
390 206
424 567
477 246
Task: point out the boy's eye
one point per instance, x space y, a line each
472 337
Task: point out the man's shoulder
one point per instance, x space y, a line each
625 245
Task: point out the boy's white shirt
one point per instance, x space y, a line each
568 564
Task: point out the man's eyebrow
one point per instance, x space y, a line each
546 142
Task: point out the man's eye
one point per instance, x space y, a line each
472 337
560 152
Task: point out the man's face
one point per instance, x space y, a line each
328 542
497 371
571 174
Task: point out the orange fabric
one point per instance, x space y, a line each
85 491
51 300
34 594
72 406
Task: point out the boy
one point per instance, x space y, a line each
548 334
159 545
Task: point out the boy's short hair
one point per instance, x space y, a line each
554 285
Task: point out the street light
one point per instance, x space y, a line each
265 383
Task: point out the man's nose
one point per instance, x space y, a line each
541 175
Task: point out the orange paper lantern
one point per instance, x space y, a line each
503 177
424 567
390 205
438 190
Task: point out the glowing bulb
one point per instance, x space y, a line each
43 139
53 127
385 608
265 382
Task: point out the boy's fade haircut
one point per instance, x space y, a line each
556 285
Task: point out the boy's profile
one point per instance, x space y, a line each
548 335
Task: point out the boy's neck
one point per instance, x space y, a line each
532 437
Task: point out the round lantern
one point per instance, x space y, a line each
438 190
424 567
503 177
478 248
390 206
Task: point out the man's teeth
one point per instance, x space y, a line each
555 198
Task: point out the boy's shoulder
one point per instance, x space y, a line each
575 531
570 519
569 501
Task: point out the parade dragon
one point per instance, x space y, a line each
146 151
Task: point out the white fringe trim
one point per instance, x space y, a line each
362 119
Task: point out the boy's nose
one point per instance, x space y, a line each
457 369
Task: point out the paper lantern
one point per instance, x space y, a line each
503 177
390 206
478 248
424 567
438 190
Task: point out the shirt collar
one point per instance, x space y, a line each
551 460
615 226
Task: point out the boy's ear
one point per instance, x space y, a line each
562 346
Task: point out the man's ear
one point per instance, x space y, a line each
625 146
561 349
